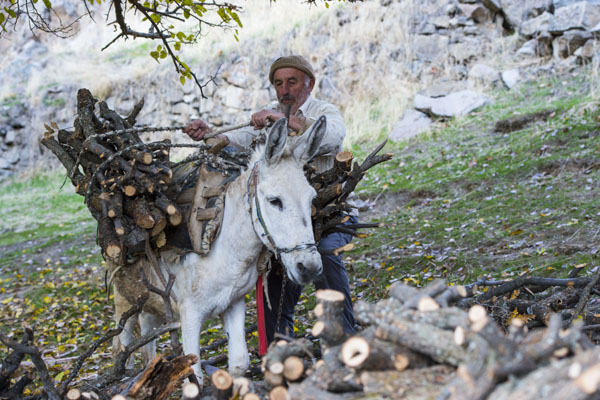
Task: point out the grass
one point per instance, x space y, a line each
459 202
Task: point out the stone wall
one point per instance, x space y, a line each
444 46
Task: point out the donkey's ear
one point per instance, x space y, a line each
276 140
307 145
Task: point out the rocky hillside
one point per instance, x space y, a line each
393 67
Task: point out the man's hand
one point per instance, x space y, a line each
196 129
265 117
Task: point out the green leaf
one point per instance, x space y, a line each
155 18
163 54
235 17
2 18
186 13
181 36
326 5
47 3
177 46
182 79
223 14
10 12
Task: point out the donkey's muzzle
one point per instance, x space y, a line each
308 270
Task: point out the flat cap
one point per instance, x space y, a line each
297 62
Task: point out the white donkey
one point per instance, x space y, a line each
267 205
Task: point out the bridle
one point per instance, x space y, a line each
270 243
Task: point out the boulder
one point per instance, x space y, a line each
454 105
475 12
588 50
483 74
492 5
535 26
431 48
511 77
518 11
566 45
411 124
581 15
465 50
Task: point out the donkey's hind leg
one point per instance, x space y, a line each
127 335
147 323
233 322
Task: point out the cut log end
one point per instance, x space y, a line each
190 391
279 393
329 295
276 368
589 380
293 368
401 362
355 351
221 380
318 328
73 394
427 304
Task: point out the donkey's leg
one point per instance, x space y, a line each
127 335
233 321
147 323
191 323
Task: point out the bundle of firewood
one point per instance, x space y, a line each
417 345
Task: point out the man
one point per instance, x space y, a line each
293 80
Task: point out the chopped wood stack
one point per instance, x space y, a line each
125 182
417 345
330 207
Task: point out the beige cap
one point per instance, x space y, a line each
297 62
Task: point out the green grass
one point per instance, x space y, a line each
471 201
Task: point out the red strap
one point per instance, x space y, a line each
260 314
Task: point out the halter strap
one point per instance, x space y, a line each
252 187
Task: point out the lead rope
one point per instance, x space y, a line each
280 308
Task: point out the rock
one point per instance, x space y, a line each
581 15
492 5
411 124
533 27
11 137
528 49
467 49
565 45
12 156
511 77
424 28
443 88
483 74
454 105
238 74
432 48
4 163
517 11
441 22
476 12
588 50
232 97
563 3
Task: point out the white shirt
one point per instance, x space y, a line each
312 109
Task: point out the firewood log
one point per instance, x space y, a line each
422 383
278 393
190 391
329 310
222 383
161 377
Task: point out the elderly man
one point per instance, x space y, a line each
293 80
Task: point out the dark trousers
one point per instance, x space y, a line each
334 277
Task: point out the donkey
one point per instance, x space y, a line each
267 206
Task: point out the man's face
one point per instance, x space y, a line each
293 87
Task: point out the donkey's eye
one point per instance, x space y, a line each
275 202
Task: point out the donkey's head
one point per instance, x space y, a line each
281 207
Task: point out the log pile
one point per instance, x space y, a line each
126 183
418 344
